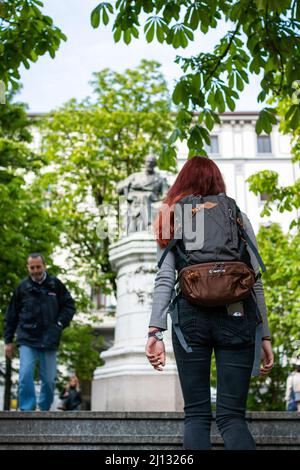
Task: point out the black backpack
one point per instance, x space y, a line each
213 265
217 271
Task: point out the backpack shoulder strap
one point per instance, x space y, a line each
168 248
248 239
171 244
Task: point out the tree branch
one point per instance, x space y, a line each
223 55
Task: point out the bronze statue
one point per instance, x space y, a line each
142 190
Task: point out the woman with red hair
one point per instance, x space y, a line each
207 328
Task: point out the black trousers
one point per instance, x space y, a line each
232 339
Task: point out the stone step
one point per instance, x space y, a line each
16 439
131 430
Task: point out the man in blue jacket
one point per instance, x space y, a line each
40 308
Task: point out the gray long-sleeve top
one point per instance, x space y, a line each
165 280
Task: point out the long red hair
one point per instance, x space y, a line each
198 176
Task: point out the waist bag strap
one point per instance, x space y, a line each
173 310
258 339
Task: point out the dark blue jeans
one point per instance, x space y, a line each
28 359
232 339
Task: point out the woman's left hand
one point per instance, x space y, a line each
267 357
155 352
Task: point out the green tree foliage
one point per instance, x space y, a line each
262 37
283 198
282 292
25 34
80 351
26 224
92 145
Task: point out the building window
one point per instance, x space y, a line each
265 196
213 148
98 298
264 144
103 300
266 224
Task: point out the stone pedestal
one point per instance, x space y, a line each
127 381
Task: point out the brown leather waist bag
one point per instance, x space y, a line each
217 283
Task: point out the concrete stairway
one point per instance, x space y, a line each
131 430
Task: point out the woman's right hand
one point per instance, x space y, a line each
267 357
155 352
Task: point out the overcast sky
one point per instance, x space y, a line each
50 82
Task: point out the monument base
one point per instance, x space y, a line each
127 381
134 390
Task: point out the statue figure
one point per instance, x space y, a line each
142 190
